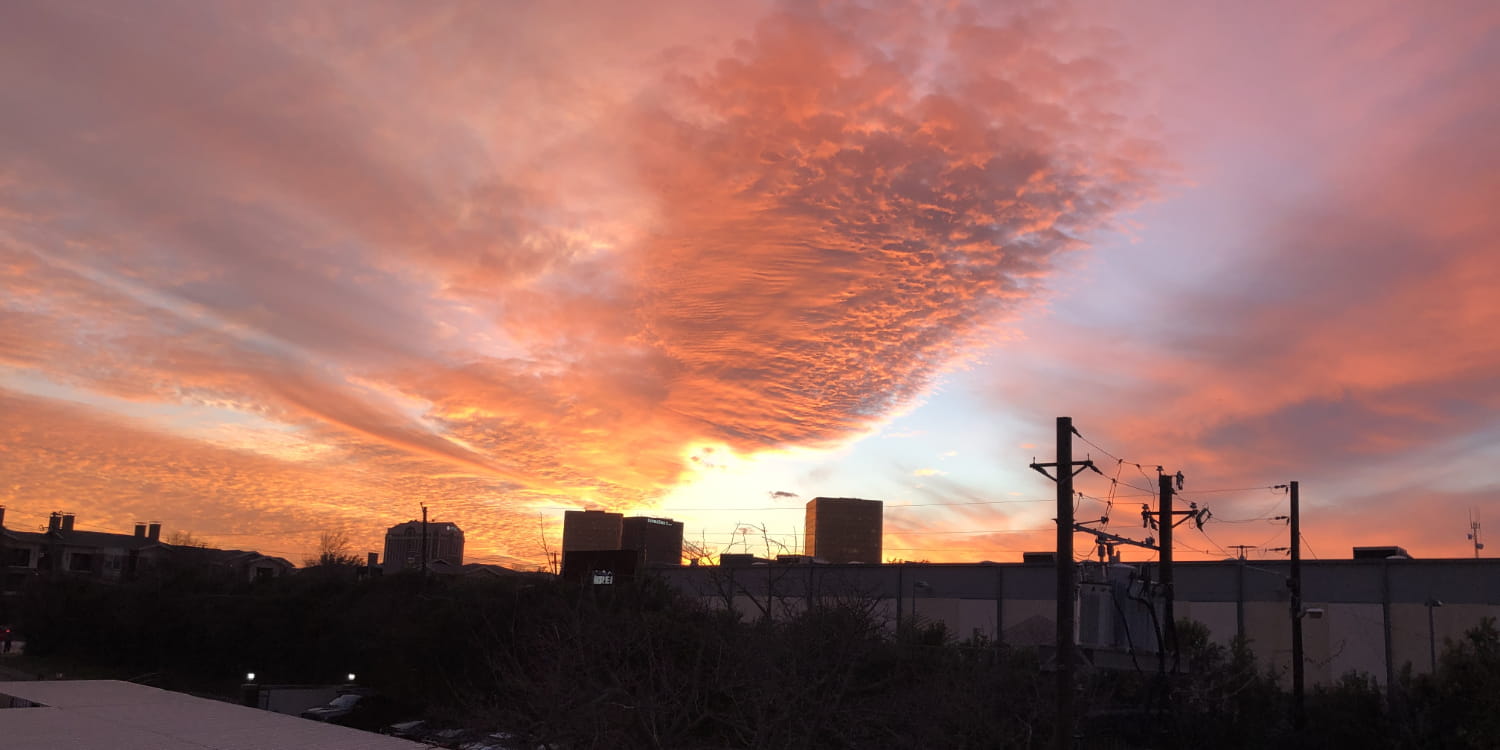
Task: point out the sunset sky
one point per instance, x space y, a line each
274 268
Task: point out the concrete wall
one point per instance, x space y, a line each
972 599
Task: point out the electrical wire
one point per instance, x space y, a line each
1096 446
1303 537
1210 553
735 534
1268 540
1114 486
1226 489
1264 515
1118 460
1210 539
801 508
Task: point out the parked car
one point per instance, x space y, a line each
361 710
407 729
336 709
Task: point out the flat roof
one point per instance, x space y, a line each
114 715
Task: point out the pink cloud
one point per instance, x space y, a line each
550 253
1347 341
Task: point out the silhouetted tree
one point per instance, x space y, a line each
181 538
334 551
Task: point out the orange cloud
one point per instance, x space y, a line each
112 473
546 254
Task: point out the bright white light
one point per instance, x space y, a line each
351 677
249 677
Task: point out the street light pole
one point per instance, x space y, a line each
1432 604
923 586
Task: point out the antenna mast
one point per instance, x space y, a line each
1474 531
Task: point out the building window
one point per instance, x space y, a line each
263 574
80 562
20 557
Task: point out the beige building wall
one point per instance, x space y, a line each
1349 636
1029 622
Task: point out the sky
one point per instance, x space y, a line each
269 270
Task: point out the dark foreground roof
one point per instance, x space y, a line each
126 716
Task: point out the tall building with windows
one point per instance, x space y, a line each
403 545
591 530
844 529
657 540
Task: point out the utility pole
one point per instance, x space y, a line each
1165 520
1299 710
5 569
424 540
1065 583
1066 647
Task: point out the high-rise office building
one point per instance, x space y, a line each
589 530
403 545
844 529
658 540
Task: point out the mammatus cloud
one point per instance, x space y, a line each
554 256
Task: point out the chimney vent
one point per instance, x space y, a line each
54 522
153 531
140 530
2 517
67 522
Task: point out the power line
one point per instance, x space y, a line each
1226 489
800 508
1303 537
753 533
1210 539
925 549
1268 540
1269 519
1097 447
1210 553
1139 466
